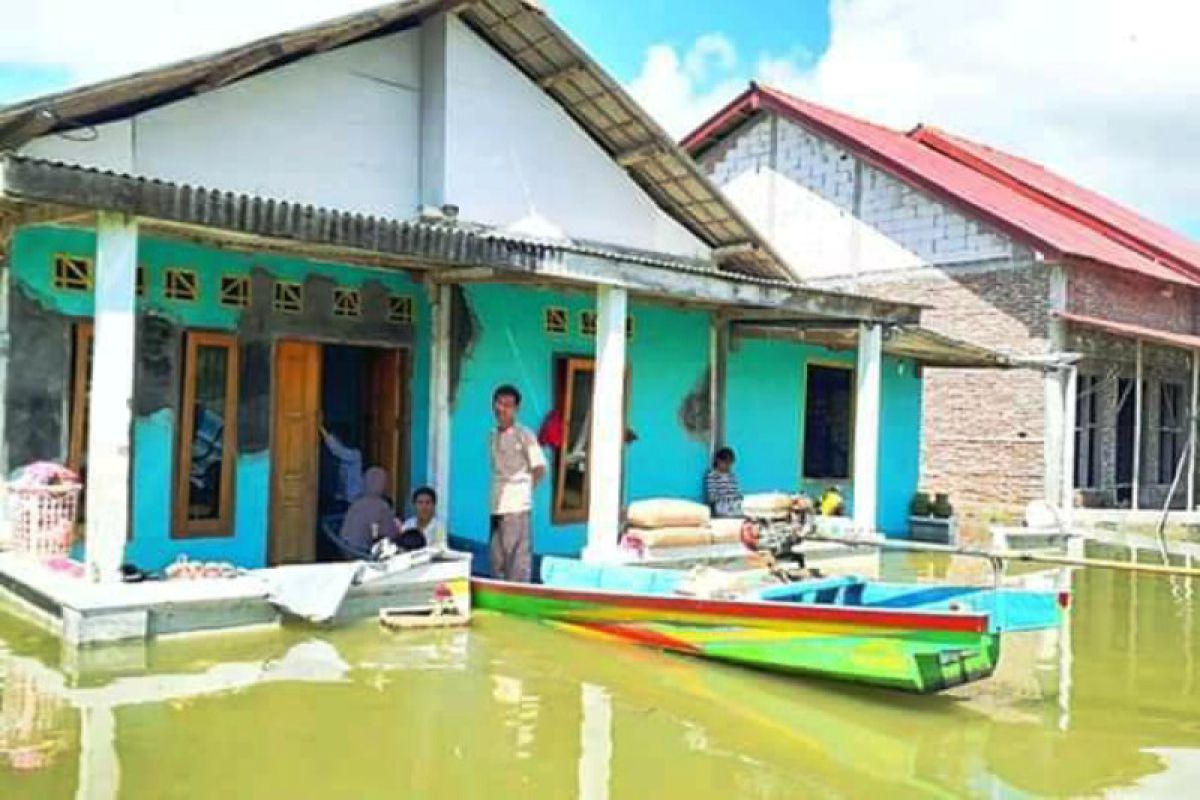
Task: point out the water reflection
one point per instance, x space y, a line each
512 708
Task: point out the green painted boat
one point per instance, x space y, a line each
912 637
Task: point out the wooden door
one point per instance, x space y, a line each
386 419
295 453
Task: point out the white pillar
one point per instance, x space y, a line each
438 465
1070 410
607 442
866 427
595 742
718 356
111 406
1192 432
1137 428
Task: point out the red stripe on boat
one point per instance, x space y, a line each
639 636
930 621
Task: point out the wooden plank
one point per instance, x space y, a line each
110 443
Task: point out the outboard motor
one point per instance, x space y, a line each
776 539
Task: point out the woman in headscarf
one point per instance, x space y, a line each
370 516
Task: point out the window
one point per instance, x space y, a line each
235 291
556 321
289 297
587 322
141 281
347 302
574 377
400 310
828 421
1171 418
72 273
181 284
81 394
208 436
1087 432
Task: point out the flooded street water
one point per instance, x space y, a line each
511 708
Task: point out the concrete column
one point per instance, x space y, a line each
1053 392
607 441
111 406
1137 428
1070 409
717 365
439 397
868 403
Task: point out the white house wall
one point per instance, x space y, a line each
831 214
339 129
515 159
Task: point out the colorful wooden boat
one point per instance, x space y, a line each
913 637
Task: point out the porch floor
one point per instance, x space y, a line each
83 613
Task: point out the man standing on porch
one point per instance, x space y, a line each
517 467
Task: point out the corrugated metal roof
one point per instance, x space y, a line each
1027 215
521 31
31 185
1184 340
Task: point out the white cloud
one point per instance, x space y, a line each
682 91
1103 91
96 40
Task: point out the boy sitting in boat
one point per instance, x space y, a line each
424 520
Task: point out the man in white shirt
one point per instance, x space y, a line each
518 465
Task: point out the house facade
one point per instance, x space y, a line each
365 227
1098 302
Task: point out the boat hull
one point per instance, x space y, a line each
914 651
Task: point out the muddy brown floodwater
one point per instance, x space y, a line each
1110 705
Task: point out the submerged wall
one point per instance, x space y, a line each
765 417
37 401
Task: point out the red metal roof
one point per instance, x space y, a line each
1134 331
1031 204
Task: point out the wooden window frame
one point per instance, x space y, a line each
222 525
83 336
570 364
234 291
401 309
70 284
556 321
178 282
805 478
347 302
287 297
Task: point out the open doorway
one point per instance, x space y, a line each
359 396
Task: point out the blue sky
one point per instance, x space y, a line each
619 33
1112 106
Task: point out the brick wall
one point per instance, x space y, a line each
983 430
832 213
1122 297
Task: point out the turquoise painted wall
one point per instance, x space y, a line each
764 423
668 356
155 435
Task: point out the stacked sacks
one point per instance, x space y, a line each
667 522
